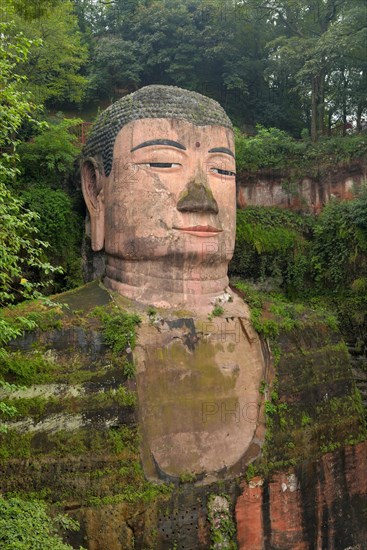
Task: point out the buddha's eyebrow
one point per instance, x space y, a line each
221 150
159 142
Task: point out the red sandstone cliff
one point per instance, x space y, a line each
321 505
309 193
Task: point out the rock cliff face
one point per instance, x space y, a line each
75 442
319 505
309 193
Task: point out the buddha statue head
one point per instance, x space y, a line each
158 178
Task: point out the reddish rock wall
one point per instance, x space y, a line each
93 467
319 505
310 193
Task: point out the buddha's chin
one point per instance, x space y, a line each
193 245
204 255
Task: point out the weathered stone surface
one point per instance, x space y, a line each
250 528
324 509
172 247
94 471
198 384
309 193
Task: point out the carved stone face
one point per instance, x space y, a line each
166 213
171 192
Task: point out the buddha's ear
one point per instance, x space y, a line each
92 187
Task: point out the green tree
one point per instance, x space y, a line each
89 14
345 44
339 248
19 244
61 227
308 46
49 157
15 105
56 59
212 47
34 9
46 164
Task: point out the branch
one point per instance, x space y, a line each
289 25
286 22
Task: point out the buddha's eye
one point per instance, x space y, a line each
161 164
223 172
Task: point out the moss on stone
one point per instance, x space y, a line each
314 406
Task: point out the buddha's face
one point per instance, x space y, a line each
171 193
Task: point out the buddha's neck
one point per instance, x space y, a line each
161 284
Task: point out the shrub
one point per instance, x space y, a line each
274 149
27 526
49 156
271 242
61 226
339 247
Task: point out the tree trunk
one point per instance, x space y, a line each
361 102
359 117
321 106
330 119
317 106
314 105
344 104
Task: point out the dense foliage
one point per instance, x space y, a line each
50 154
272 243
26 525
21 251
45 168
273 149
285 63
319 260
323 255
21 247
56 54
61 227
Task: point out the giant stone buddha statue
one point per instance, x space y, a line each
158 178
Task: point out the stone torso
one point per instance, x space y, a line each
198 384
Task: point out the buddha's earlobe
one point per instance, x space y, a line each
92 187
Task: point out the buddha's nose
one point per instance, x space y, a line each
197 197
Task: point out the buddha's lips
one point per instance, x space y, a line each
201 230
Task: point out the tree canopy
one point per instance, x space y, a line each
56 54
284 63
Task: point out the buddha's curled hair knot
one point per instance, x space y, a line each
151 102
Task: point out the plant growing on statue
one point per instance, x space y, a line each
305 420
250 472
217 311
222 527
263 387
129 369
151 311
